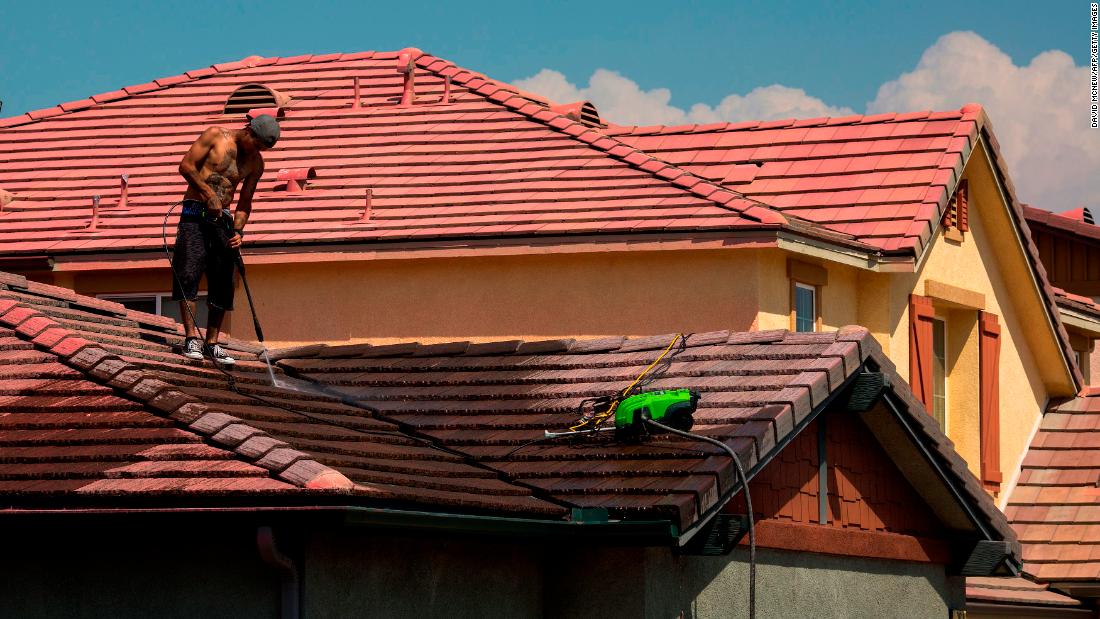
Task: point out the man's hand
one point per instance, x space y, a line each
235 241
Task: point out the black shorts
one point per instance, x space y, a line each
202 247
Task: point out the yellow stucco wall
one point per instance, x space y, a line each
521 297
988 262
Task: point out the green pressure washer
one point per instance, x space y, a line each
671 407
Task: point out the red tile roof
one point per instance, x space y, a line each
1061 221
1055 507
431 426
93 442
490 164
493 164
1015 591
128 353
884 179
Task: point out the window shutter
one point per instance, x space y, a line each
989 362
962 215
920 348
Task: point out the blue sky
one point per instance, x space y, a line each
699 50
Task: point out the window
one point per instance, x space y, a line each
160 303
939 372
805 307
807 280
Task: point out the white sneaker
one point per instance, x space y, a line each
217 353
192 348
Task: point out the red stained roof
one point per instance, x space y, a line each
96 394
1055 506
884 179
491 163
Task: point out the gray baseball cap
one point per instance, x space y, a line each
265 128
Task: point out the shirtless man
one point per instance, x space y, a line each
209 237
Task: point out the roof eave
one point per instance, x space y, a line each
634 532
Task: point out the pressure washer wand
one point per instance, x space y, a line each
251 306
256 321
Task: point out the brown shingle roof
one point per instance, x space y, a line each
432 426
1015 591
486 399
1055 507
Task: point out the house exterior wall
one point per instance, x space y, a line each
522 297
606 583
989 263
385 576
214 570
986 262
73 572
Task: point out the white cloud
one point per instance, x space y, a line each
1039 111
622 101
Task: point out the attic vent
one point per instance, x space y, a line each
1086 216
589 115
252 96
580 111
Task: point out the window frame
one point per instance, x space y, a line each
158 297
816 292
942 320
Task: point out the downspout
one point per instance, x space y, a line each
290 606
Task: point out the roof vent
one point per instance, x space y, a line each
1086 216
251 96
406 65
295 178
580 111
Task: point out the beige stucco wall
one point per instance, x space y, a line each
988 261
522 297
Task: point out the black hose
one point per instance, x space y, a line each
748 501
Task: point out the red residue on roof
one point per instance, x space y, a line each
884 179
491 163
